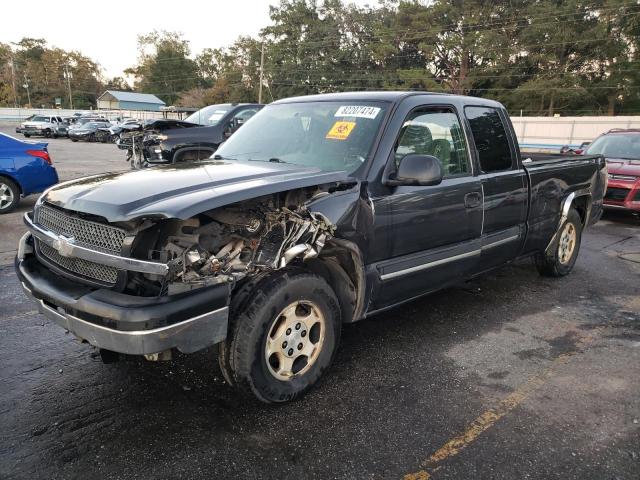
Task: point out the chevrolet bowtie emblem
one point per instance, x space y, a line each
64 245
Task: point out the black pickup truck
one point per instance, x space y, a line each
321 210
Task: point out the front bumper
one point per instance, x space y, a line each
125 323
623 195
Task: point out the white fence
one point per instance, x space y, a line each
18 114
554 132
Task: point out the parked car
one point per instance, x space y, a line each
91 131
621 148
321 210
25 168
568 150
61 129
43 125
198 136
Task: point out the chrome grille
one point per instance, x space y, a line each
86 233
97 236
84 268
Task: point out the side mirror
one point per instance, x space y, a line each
424 170
230 128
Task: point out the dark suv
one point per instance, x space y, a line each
198 136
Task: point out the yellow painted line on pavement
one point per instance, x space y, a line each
487 419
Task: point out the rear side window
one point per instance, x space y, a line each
490 138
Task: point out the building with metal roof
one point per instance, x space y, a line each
115 100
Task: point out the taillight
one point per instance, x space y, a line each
43 154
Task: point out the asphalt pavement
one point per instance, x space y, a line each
510 375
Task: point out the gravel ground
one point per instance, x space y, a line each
510 375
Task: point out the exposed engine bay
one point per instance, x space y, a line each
230 243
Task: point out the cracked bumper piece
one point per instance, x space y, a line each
125 323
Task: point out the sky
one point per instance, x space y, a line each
107 31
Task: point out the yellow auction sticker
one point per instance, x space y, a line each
341 130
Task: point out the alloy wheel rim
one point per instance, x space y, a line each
6 196
295 340
567 243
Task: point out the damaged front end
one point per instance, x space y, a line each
175 276
229 244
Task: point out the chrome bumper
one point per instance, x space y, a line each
67 248
187 336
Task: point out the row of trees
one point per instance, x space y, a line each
541 57
31 72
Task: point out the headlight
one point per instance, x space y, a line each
155 137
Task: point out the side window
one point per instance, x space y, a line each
437 132
243 115
490 138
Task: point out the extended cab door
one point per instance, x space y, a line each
504 185
434 231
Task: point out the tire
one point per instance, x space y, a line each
291 306
47 133
9 195
27 135
74 139
562 255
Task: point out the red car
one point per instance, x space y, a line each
621 148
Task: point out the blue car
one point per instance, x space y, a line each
25 168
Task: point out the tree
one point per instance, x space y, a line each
164 67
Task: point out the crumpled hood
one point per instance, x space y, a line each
182 191
624 167
167 124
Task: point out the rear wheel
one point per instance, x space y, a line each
27 135
284 338
561 256
9 195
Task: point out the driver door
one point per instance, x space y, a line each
434 231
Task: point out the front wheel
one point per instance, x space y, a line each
283 338
561 256
9 195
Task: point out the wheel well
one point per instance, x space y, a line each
581 204
178 156
16 183
340 264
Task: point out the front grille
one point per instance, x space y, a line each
94 235
616 194
78 266
86 233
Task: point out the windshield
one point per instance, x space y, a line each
40 119
626 146
210 115
325 135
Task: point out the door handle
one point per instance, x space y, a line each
472 199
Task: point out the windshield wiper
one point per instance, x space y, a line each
276 160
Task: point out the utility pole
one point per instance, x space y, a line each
13 84
26 85
68 77
261 73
